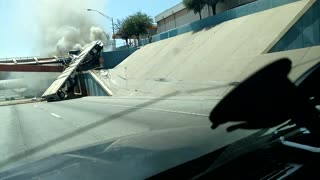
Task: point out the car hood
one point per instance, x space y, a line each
132 157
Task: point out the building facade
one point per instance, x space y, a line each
179 15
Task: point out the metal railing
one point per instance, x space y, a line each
31 60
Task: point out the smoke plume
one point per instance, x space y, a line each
26 84
61 25
67 25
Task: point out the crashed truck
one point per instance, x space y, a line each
70 84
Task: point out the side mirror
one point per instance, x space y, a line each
264 100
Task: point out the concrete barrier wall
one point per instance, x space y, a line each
113 58
216 81
305 33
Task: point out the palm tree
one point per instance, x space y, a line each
195 5
212 4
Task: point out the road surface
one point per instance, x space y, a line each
35 130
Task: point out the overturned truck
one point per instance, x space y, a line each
70 83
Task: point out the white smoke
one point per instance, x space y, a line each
61 25
67 25
97 33
26 84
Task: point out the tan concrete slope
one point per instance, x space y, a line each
212 57
120 84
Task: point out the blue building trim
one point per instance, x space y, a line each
113 58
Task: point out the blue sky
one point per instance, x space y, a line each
122 8
19 33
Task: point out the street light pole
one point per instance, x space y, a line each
113 36
110 19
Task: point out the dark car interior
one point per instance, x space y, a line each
272 100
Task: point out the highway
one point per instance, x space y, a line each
35 130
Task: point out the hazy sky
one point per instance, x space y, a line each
19 29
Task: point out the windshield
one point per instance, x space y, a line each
139 80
